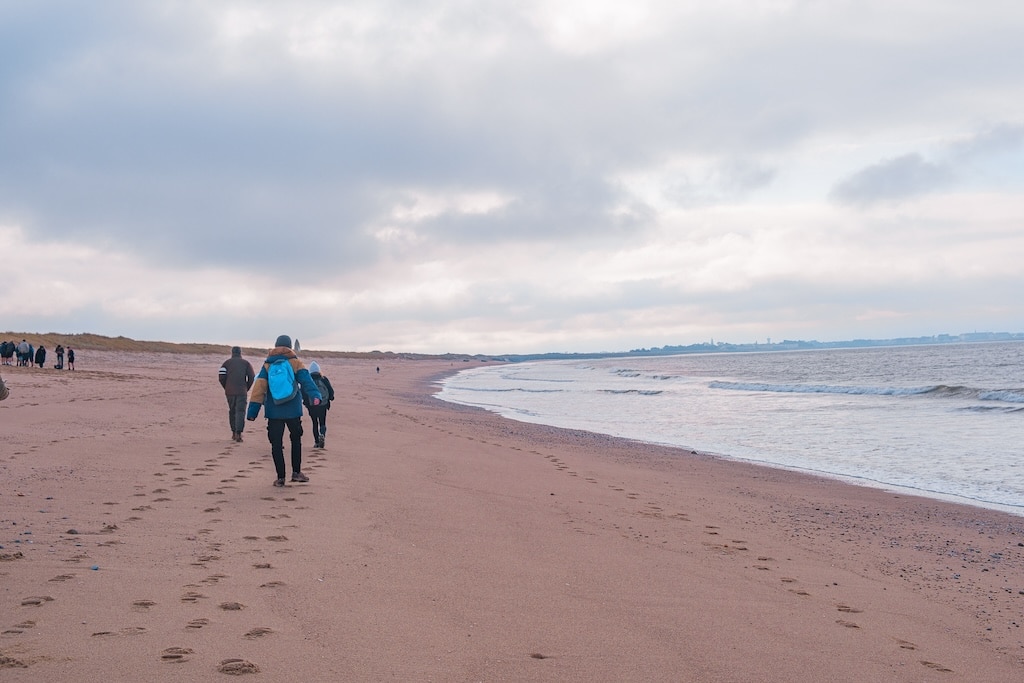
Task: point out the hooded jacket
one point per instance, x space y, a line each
261 395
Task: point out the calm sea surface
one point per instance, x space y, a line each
945 421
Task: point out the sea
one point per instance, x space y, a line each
944 421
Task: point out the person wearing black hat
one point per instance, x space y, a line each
236 376
279 387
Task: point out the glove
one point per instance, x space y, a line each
316 401
251 419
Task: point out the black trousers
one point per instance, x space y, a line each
318 416
275 432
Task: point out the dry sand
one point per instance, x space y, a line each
435 543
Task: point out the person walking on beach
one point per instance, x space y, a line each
236 376
71 358
60 357
24 351
280 386
41 355
318 414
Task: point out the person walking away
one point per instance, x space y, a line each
40 355
318 414
60 357
236 376
279 388
71 358
24 351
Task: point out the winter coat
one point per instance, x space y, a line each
325 401
261 395
236 376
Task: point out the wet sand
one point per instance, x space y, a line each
437 543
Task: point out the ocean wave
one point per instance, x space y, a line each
639 392
935 391
506 390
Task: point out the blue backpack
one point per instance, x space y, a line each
281 381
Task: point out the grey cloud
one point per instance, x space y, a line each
1005 137
730 181
892 180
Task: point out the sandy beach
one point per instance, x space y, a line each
438 543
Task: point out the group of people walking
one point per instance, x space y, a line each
281 388
28 355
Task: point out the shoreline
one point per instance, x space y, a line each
854 479
443 542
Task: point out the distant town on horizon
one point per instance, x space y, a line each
786 345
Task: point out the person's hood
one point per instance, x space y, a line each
314 368
280 351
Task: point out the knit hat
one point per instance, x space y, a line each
284 340
314 367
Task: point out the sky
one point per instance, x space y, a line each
477 176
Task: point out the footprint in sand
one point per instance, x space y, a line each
20 628
11 663
197 623
258 632
848 609
192 596
262 565
272 584
143 605
62 577
176 654
905 644
35 600
236 667
936 667
277 538
231 606
847 624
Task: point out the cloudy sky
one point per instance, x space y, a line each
511 176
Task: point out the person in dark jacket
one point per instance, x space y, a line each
236 376
287 414
41 355
318 414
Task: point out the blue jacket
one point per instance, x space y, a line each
260 395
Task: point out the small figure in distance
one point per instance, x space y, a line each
60 357
318 414
236 376
279 387
71 358
41 356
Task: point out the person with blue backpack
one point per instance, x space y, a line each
280 386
